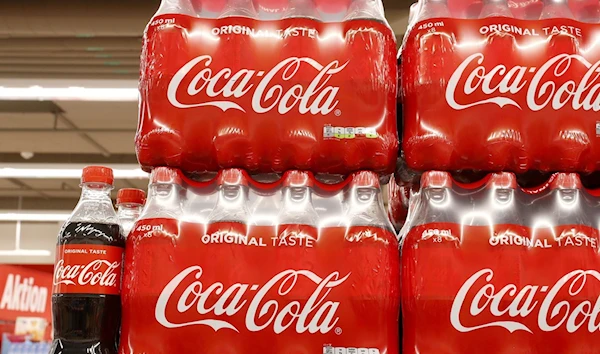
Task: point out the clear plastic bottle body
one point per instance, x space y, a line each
364 207
301 9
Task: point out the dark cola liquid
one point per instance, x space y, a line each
87 323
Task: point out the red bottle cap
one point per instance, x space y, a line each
566 181
233 177
298 179
503 180
436 179
97 174
165 175
365 179
131 196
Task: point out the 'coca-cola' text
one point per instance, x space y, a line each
315 315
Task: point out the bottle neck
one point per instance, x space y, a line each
95 204
232 204
297 199
129 211
164 201
365 207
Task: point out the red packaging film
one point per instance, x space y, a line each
232 265
495 85
495 268
269 86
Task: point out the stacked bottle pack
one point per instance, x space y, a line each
499 85
224 257
226 263
268 86
491 267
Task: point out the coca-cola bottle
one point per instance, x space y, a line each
297 205
366 9
209 8
556 9
232 198
332 10
86 304
433 9
130 202
270 9
239 8
364 203
495 8
301 9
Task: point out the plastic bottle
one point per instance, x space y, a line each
297 205
301 9
86 308
232 198
366 9
239 8
495 8
332 10
433 9
130 202
270 9
556 9
364 203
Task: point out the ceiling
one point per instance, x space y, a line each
47 41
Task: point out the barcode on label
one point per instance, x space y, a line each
349 350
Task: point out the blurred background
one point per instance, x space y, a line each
50 128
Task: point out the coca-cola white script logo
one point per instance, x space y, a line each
542 91
552 313
97 272
315 315
224 86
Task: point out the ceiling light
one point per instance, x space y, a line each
69 94
25 253
64 171
35 216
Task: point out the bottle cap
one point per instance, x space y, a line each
298 179
97 174
271 5
131 196
566 181
436 179
232 176
365 179
502 180
165 175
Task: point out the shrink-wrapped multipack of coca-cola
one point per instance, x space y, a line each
268 86
489 267
500 85
234 265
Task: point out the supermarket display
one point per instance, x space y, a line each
234 265
492 267
86 303
269 86
502 86
130 202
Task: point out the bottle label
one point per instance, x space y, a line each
88 268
